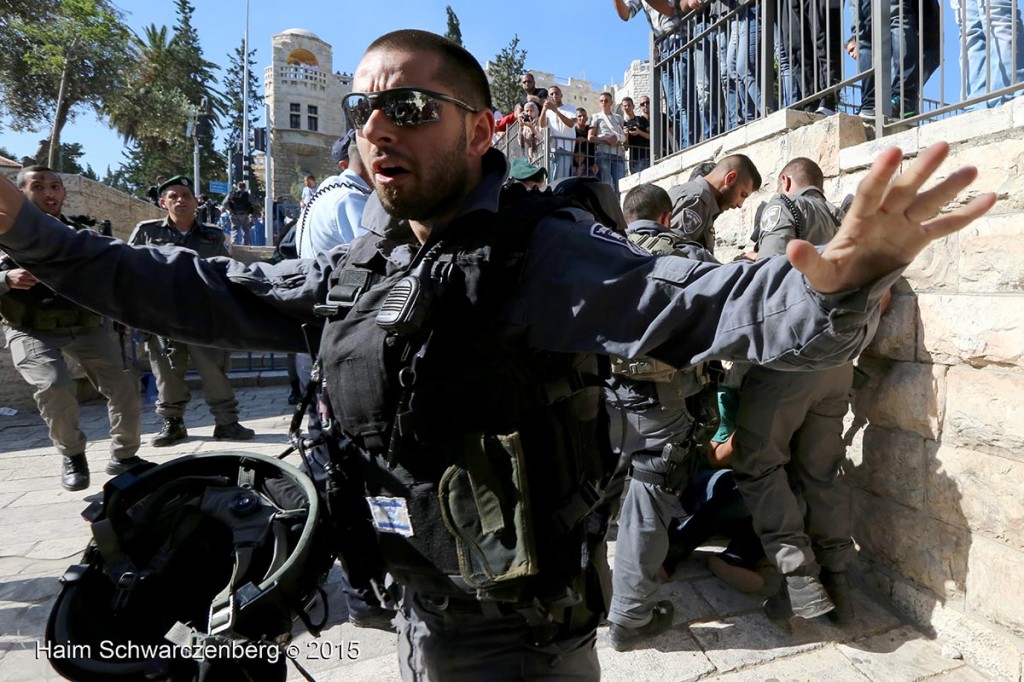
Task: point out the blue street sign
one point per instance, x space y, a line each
218 187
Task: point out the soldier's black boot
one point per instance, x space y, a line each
117 466
838 587
173 432
232 431
74 473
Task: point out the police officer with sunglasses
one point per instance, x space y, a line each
460 346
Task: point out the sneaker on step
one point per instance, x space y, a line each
232 431
799 595
623 639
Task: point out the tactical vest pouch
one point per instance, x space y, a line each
485 506
21 316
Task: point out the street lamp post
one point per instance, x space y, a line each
245 98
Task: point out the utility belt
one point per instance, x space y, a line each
682 463
21 316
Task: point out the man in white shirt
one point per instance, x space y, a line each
607 134
561 120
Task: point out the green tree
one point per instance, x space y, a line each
233 86
171 82
454 32
56 59
504 73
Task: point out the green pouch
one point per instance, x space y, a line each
485 506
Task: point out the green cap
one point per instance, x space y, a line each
176 180
524 170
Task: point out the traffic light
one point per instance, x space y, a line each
204 125
259 139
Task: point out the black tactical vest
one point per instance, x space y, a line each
40 308
493 452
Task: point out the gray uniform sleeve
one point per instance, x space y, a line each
586 290
173 292
776 229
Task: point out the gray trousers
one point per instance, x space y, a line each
453 643
38 357
174 393
788 450
641 544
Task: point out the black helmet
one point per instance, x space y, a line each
221 549
597 197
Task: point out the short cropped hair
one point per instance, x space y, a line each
459 70
804 172
743 166
646 202
21 178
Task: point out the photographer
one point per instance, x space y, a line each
638 136
531 132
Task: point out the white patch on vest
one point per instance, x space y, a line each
771 217
689 221
607 234
390 515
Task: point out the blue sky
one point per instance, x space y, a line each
571 38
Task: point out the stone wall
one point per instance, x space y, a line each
936 456
92 198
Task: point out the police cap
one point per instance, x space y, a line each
176 180
339 151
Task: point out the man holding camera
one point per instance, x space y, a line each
638 136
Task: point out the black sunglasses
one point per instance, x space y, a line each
402 106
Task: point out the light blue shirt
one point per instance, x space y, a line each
334 216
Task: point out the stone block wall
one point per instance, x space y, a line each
936 438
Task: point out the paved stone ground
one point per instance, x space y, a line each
718 632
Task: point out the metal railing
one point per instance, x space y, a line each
732 62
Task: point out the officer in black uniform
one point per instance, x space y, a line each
696 203
40 326
168 358
789 435
460 341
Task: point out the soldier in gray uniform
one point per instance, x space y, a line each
169 358
39 325
518 300
788 441
696 203
655 434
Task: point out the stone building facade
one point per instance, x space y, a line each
936 442
304 95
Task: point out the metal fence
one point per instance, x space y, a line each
731 63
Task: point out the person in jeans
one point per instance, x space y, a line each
608 136
991 29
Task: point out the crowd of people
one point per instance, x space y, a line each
508 376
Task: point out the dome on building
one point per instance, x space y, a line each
300 32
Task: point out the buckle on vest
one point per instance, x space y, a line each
344 294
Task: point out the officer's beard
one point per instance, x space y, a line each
441 187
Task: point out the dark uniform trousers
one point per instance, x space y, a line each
789 447
38 357
174 393
454 640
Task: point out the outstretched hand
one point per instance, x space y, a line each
11 200
889 223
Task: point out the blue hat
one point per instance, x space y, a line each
339 151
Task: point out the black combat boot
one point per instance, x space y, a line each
117 466
838 587
173 432
232 431
623 639
74 473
